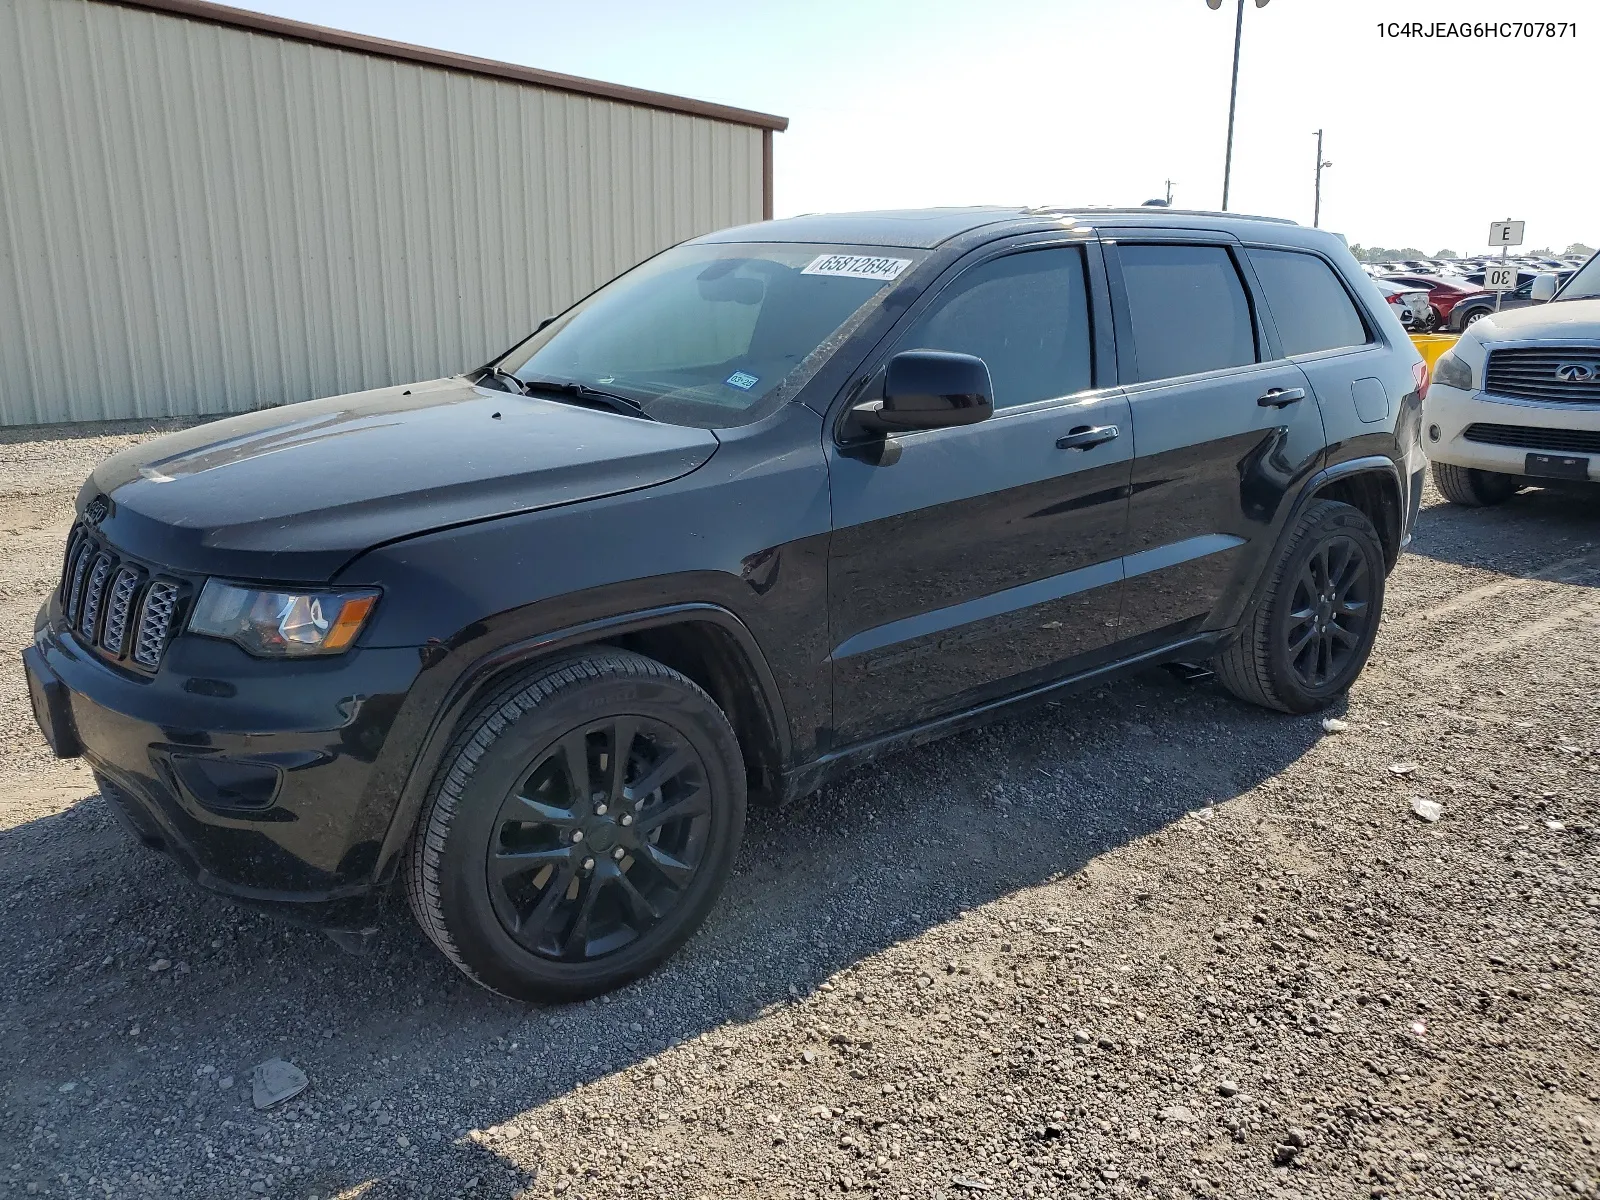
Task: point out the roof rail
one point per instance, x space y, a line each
1145 210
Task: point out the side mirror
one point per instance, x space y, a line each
1544 287
930 389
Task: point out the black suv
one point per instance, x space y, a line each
776 499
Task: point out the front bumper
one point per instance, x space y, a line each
260 778
1451 411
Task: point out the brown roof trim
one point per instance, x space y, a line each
301 31
766 174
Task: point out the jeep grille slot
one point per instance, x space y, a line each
1545 374
77 568
94 595
119 609
155 623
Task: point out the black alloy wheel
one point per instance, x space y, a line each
1308 632
580 827
600 840
1328 612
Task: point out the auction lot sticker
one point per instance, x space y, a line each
856 266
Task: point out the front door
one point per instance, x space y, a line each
1223 427
971 562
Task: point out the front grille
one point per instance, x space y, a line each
1558 375
1527 437
113 604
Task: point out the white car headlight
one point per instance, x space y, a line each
282 624
1452 371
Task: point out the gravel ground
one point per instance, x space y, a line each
1147 942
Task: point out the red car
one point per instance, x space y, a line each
1444 293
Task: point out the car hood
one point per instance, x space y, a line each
293 493
1563 319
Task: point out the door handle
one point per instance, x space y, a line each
1278 397
1085 437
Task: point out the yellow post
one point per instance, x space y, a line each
1432 345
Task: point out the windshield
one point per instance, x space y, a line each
710 335
1585 285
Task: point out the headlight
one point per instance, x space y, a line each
1451 371
282 624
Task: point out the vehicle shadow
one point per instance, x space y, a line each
1567 547
397 1042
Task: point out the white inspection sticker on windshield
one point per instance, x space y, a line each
857 266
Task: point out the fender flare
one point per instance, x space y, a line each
466 691
1365 465
1369 464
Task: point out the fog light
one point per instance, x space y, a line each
1433 433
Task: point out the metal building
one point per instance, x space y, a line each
208 210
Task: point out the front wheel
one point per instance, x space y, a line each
1472 487
582 827
1312 626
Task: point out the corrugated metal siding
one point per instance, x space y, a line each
196 219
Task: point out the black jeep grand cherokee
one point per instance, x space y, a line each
773 501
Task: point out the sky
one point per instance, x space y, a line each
935 102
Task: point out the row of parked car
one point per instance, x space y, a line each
1470 266
1430 294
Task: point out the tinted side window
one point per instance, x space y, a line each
1026 315
1188 310
1309 304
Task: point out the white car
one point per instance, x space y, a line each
1517 399
1410 303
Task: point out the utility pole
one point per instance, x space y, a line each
1233 91
1316 211
1169 192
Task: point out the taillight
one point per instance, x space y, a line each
1419 373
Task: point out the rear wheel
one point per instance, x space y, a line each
1474 315
582 827
1312 626
1472 487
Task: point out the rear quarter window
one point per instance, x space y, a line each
1309 304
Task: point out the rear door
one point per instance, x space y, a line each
969 563
1224 428
1319 327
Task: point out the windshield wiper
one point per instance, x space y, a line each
584 394
516 385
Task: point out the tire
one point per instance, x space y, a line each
1262 666
1472 487
500 883
1473 315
